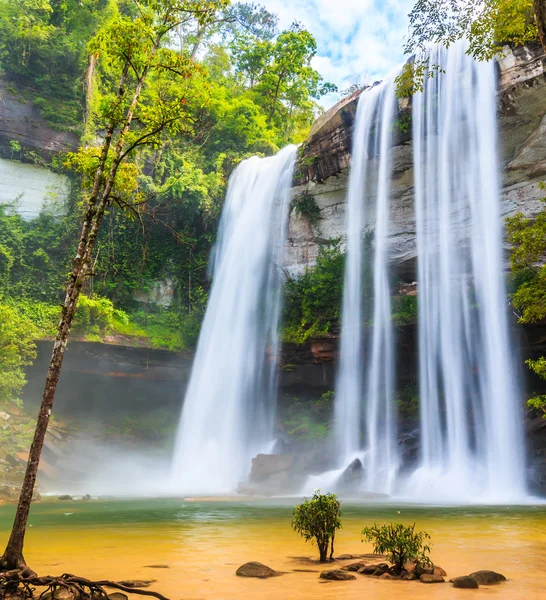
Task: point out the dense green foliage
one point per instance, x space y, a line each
317 519
17 349
307 419
400 543
485 24
313 300
221 89
528 238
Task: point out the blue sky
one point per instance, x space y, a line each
358 40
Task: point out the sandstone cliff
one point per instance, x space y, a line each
325 159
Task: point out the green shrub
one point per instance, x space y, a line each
313 301
404 310
400 543
317 519
98 316
17 350
306 206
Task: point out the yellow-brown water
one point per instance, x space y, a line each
203 543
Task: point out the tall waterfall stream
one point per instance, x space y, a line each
471 446
228 411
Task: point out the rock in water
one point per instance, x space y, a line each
117 596
431 578
465 583
256 569
352 476
137 583
336 575
487 577
354 566
377 569
409 576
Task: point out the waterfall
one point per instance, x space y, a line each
228 412
364 411
470 426
471 432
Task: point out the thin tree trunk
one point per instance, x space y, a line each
88 88
276 98
13 557
539 6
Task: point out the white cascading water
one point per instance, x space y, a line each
227 416
364 411
471 432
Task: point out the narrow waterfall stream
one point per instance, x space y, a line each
470 428
471 432
366 430
228 412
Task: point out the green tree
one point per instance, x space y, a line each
400 543
145 91
486 24
317 519
528 239
17 350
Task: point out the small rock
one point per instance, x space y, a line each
256 569
377 570
487 577
380 569
156 566
409 575
354 566
117 596
465 583
62 593
336 575
386 576
137 583
346 557
65 497
431 578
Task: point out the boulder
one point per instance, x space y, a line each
465 582
354 566
409 575
352 476
266 465
431 578
376 570
386 576
117 596
256 569
336 575
487 577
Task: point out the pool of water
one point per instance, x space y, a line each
203 543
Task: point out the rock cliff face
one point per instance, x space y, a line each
325 159
20 121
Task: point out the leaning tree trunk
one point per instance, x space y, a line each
13 558
13 555
539 6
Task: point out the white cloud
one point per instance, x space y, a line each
356 39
